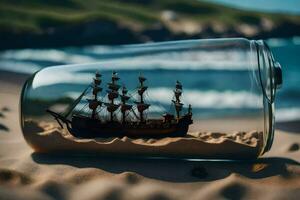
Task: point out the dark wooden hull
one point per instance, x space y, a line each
84 127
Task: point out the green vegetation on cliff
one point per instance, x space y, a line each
138 18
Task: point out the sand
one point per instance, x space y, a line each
47 137
25 174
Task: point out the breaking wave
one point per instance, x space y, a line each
19 66
202 99
34 59
209 99
287 114
131 57
282 42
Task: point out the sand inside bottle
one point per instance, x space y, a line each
50 138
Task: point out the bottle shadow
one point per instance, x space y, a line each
289 126
4 128
175 170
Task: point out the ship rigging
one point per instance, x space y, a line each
97 125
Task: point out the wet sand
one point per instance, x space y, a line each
25 174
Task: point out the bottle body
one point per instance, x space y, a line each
226 87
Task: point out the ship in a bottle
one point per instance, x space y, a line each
112 115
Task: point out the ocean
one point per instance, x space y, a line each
286 51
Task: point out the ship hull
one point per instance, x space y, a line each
84 127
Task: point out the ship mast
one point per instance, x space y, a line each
141 105
124 107
177 102
112 95
94 102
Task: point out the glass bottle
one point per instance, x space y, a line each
217 96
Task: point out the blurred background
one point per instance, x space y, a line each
37 33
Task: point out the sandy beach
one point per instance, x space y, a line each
25 174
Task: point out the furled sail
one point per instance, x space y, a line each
98 75
94 103
141 105
178 105
96 90
124 106
97 81
178 85
114 76
177 93
142 89
142 79
111 107
124 98
113 86
112 94
177 102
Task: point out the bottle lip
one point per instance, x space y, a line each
273 68
277 71
274 81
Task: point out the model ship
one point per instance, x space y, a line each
95 125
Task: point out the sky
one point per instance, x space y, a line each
282 6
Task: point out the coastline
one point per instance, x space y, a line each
129 22
128 35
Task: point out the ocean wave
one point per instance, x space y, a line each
231 60
282 42
200 99
51 55
187 60
132 57
287 114
296 40
44 78
209 99
19 66
277 42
